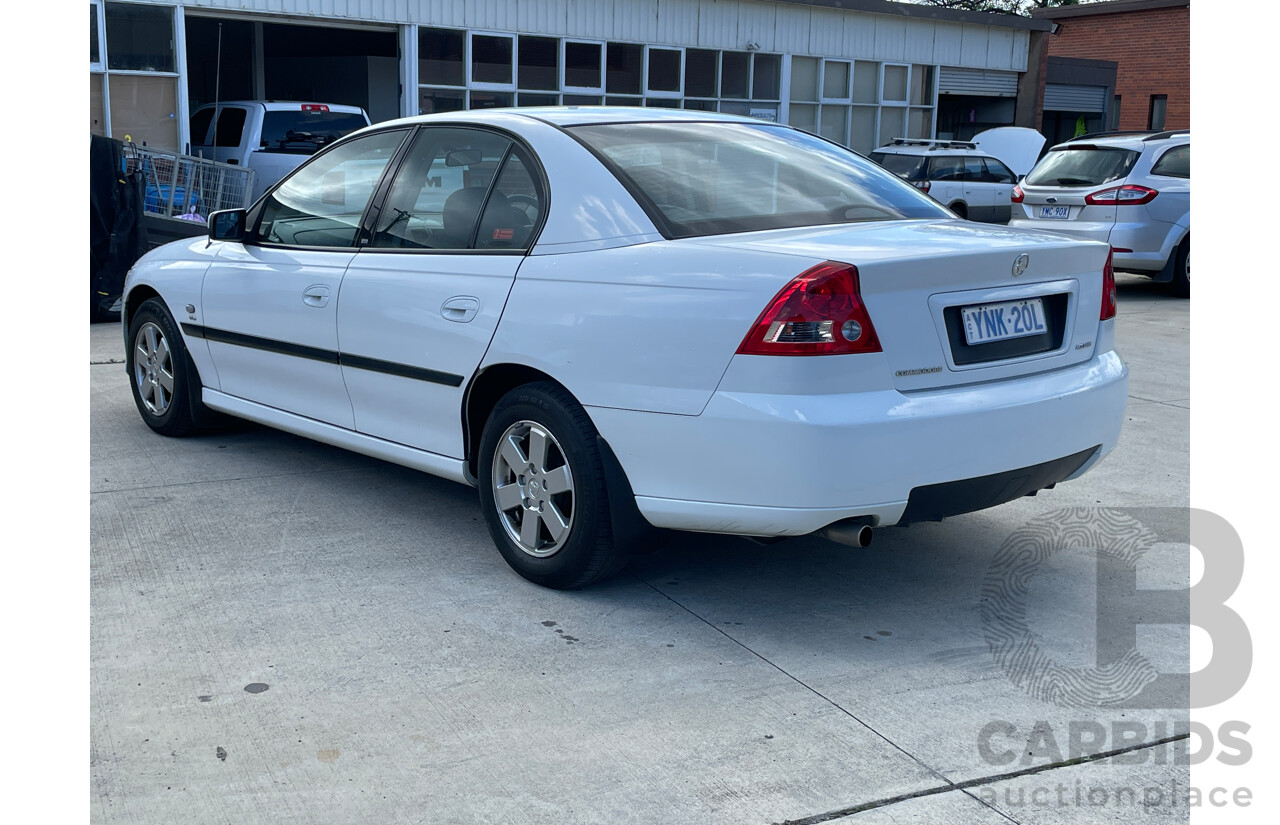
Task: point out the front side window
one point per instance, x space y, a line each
1082 165
715 178
439 191
230 127
997 172
200 122
322 203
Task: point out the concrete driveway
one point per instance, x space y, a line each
283 632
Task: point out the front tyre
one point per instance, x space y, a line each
157 364
543 491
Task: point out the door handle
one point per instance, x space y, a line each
460 309
316 295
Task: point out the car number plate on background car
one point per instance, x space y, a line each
1060 213
996 322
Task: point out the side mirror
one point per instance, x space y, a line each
227 225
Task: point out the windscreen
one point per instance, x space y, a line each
1082 166
716 178
305 132
907 167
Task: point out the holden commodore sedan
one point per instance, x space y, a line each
612 320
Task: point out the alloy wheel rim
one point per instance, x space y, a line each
153 368
533 489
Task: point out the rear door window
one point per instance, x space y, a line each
997 172
200 123
907 167
1085 165
1175 163
230 127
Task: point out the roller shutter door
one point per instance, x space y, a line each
977 82
1062 98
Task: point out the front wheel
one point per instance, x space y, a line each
543 490
157 363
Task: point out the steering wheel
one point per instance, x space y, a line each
526 204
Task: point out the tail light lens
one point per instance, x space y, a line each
819 313
1017 195
314 107
922 185
1127 195
1108 291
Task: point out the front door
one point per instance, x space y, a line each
421 301
269 305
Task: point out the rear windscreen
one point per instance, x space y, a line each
713 178
304 133
1082 166
907 167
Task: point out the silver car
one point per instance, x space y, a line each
1130 190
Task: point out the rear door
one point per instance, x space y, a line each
1001 180
422 299
269 306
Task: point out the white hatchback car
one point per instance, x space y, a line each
610 319
1130 190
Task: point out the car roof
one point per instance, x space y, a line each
583 115
1136 141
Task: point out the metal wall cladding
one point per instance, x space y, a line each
714 24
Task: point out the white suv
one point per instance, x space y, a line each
974 179
1132 190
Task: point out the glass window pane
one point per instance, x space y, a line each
735 107
804 78
97 114
662 102
441 57
700 72
581 100
539 63
513 208
862 130
920 123
895 82
892 124
701 105
438 191
582 65
146 109
804 116
1155 119
1175 163
835 79
200 123
322 203
230 127
490 59
536 99
140 38
866 82
623 101
94 56
835 123
622 68
308 130
431 101
922 85
491 100
734 74
664 70
766 76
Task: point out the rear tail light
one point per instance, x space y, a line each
819 313
922 185
1108 291
1017 195
1127 195
314 107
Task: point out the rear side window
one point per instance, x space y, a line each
948 167
1175 163
200 126
907 167
715 178
1085 165
305 132
997 172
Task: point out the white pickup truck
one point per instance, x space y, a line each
272 137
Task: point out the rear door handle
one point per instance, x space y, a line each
316 295
461 309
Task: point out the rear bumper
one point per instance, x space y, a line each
775 465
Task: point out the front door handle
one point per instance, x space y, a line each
316 295
461 309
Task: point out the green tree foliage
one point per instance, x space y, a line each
1023 7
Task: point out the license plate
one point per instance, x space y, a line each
1057 213
998 322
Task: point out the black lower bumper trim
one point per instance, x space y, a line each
938 501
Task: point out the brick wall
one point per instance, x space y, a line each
1153 52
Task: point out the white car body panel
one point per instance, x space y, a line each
643 332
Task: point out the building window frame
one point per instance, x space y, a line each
650 92
1157 112
565 88
485 85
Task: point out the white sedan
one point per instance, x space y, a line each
609 320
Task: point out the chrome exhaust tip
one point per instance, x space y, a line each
850 532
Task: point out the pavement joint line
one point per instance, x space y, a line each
982 780
219 481
948 787
1173 403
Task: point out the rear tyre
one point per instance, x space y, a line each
1181 283
543 490
962 211
158 370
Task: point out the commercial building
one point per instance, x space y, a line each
860 72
